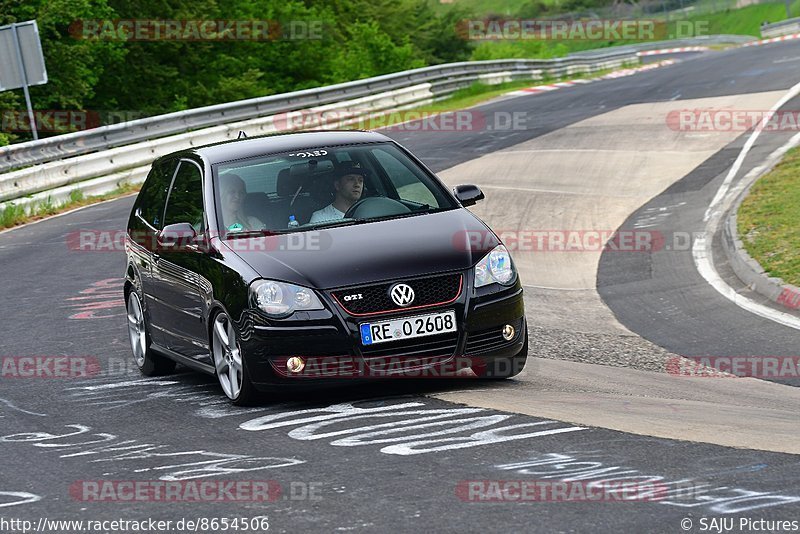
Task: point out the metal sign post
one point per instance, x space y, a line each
22 62
21 66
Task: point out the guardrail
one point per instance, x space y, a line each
99 160
784 27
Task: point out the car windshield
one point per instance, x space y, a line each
324 187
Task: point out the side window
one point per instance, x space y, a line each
185 203
408 185
154 193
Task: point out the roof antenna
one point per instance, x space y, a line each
242 135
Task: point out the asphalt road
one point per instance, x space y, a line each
660 293
405 475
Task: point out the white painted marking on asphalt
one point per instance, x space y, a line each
737 165
684 493
25 498
13 407
409 435
148 457
703 255
142 382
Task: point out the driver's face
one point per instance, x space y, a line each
233 193
350 187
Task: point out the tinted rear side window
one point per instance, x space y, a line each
154 193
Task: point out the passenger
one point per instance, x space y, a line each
349 186
233 192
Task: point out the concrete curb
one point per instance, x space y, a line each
749 270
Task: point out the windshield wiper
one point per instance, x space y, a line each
253 233
334 223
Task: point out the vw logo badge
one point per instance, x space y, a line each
402 294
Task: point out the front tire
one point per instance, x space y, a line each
229 364
148 362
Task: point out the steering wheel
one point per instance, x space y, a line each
376 207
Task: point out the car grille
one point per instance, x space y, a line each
375 299
412 352
490 339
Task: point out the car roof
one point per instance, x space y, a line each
267 144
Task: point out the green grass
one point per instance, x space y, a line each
747 20
744 21
485 7
12 215
15 215
769 220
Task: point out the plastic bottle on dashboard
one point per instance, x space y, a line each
293 222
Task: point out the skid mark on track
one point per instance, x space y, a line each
108 393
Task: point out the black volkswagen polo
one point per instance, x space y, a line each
316 256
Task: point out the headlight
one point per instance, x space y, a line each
495 267
279 299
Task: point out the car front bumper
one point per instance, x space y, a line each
329 342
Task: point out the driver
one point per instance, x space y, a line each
349 186
233 191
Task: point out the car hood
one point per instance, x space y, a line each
370 252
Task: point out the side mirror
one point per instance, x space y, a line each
180 234
468 194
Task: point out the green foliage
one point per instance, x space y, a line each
322 42
11 215
372 52
76 195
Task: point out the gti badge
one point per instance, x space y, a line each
402 294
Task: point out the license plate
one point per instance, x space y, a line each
408 327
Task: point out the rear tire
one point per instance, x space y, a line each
148 362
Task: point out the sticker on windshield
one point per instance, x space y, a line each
310 154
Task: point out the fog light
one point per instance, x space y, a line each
295 364
508 332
